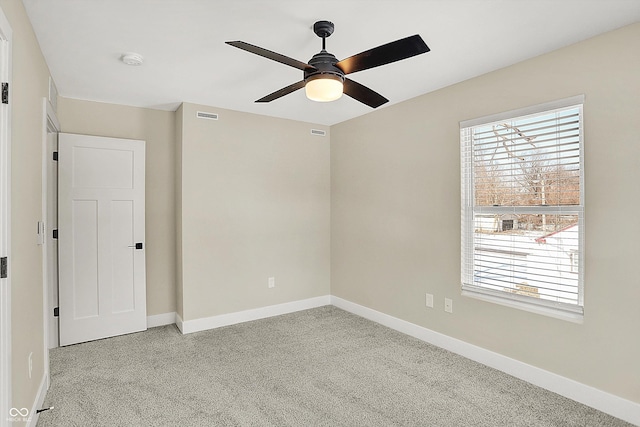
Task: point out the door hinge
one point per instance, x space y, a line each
3 267
55 234
56 311
5 93
55 156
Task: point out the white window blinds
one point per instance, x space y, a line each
522 206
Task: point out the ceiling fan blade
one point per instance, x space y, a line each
363 94
271 55
385 54
282 92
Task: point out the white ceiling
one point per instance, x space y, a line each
186 59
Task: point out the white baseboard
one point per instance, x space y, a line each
37 404
161 319
590 396
196 325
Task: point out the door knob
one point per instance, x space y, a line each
137 246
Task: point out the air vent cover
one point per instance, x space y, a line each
208 116
318 132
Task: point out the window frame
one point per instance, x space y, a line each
565 311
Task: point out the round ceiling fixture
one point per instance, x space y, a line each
131 58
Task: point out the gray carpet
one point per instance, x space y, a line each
319 367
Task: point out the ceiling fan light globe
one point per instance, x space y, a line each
324 88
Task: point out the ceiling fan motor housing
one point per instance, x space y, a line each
324 67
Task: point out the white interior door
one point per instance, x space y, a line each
102 282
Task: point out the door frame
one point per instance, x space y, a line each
6 34
50 124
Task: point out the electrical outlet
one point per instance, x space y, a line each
272 282
30 364
429 300
448 305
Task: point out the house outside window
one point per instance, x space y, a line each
523 208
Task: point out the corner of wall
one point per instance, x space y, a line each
178 156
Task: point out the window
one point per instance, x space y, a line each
523 208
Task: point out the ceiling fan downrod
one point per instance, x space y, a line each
323 29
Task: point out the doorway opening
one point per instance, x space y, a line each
51 127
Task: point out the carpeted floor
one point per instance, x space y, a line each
319 367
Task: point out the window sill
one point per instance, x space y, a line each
557 313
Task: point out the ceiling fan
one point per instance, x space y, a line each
324 76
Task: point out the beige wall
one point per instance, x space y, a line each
395 206
30 85
157 128
255 204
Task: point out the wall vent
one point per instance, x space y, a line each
318 132
208 116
